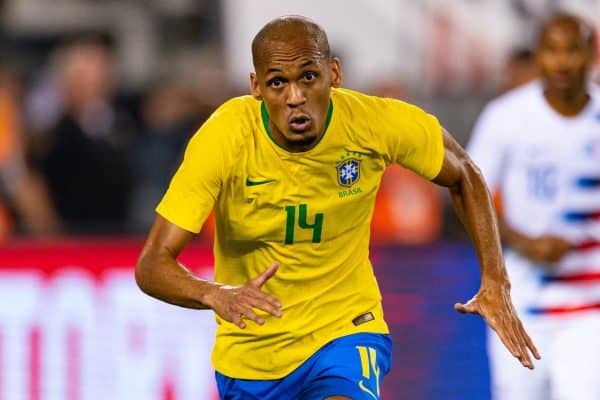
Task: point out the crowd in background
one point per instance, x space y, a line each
82 153
75 158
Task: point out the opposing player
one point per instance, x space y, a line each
292 173
539 148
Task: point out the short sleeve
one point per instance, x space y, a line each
487 145
197 183
410 137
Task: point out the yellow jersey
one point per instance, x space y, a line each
309 211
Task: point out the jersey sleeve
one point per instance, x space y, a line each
409 136
487 146
195 186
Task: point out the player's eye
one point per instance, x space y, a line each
276 83
309 76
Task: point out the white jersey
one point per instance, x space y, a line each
546 168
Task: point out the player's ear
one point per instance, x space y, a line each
336 72
254 86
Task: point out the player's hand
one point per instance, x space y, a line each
546 249
495 306
236 303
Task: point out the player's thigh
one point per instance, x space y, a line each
509 379
351 367
575 369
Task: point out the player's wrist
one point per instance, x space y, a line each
209 293
493 284
522 243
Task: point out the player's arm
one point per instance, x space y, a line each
160 275
474 208
489 145
544 249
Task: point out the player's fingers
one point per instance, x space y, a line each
461 308
525 343
529 343
262 296
265 276
271 299
251 315
525 356
466 308
513 335
267 306
505 338
237 319
508 337
526 359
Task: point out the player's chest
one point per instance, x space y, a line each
550 157
300 198
560 143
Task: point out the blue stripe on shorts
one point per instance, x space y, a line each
351 366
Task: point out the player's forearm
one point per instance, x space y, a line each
162 277
474 207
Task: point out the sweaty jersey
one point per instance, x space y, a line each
546 168
309 211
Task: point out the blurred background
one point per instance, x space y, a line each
97 102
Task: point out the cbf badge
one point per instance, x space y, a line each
348 172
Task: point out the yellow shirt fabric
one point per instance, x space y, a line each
310 211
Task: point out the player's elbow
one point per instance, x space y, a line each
474 176
470 170
143 273
468 174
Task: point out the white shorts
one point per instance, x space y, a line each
570 365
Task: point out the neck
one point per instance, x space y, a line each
567 103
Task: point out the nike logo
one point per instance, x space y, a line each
256 183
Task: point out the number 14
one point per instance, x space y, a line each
290 225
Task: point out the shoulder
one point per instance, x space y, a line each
506 116
353 98
234 118
227 130
237 110
378 112
594 91
349 102
347 96
516 100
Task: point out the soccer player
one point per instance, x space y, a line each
292 172
539 149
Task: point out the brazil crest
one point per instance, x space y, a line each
348 172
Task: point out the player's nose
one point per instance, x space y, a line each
295 96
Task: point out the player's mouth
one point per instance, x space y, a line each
300 123
562 78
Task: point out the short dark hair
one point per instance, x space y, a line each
586 30
287 27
